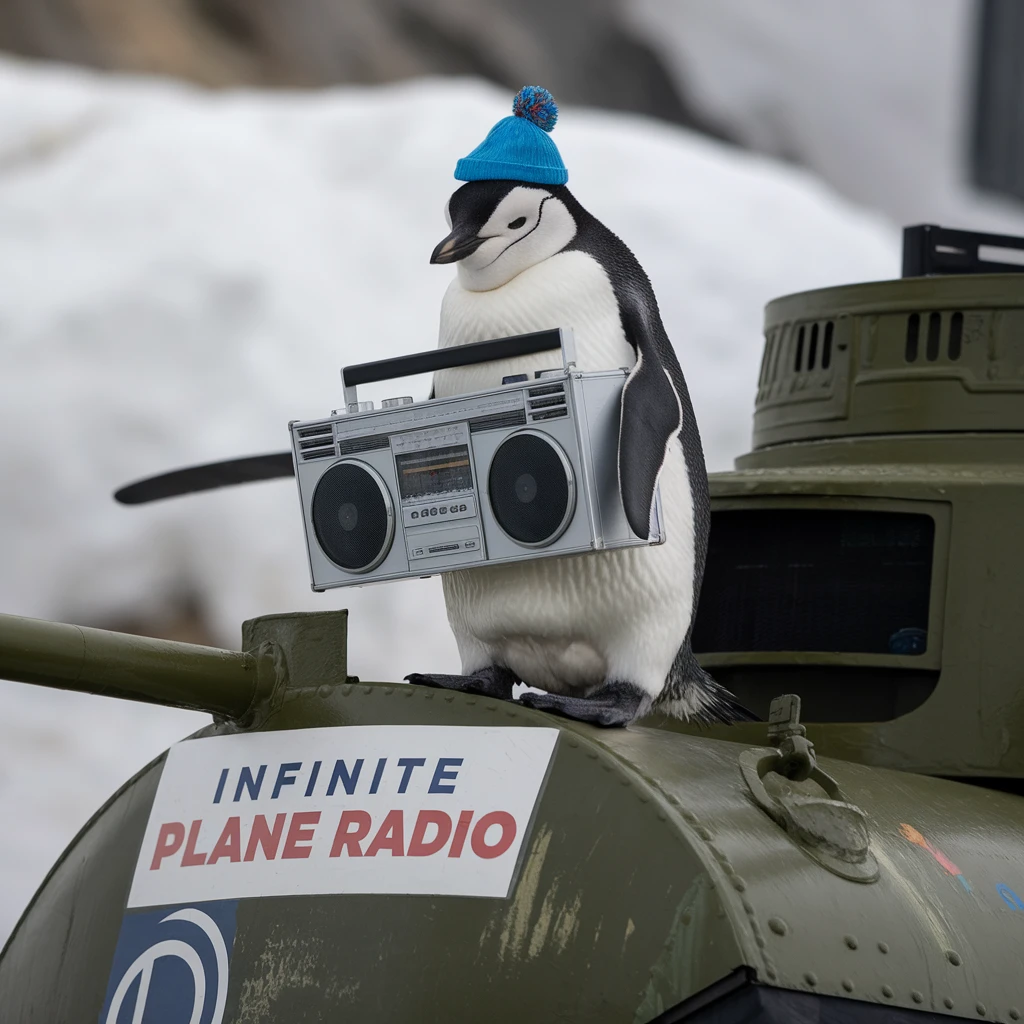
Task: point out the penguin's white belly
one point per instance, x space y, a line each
568 290
568 624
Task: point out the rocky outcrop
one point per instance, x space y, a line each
580 49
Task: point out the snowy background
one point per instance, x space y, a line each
874 96
181 273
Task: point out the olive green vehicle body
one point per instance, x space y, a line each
935 435
668 870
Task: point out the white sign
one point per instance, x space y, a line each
361 809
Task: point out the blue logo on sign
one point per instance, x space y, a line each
171 966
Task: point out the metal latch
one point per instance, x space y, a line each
829 829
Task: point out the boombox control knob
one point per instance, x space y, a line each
360 407
393 403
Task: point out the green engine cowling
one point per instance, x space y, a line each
664 876
867 554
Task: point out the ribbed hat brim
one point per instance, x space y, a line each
472 169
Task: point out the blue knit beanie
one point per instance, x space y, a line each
519 147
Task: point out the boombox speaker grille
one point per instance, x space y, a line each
353 516
531 488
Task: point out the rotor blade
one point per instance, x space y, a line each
207 477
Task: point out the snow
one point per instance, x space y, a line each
183 273
874 96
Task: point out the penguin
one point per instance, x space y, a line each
605 634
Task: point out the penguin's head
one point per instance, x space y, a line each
501 228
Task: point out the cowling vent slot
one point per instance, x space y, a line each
943 337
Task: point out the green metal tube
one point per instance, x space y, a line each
121 665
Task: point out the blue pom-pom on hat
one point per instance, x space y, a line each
519 147
536 105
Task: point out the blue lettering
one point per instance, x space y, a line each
1010 898
246 780
285 777
312 778
409 763
220 785
341 775
441 773
377 774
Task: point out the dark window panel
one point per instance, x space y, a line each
816 580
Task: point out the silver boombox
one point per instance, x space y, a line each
525 470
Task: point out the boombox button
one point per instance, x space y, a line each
418 552
470 545
463 508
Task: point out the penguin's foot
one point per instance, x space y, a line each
614 704
492 681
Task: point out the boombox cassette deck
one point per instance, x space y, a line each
522 471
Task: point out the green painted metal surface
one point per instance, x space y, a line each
892 357
649 874
122 665
920 409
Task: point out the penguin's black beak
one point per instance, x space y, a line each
457 246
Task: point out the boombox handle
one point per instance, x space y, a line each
458 355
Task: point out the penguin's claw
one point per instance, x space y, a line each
614 704
492 681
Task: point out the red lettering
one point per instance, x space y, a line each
418 844
229 844
346 838
390 836
299 831
169 841
265 837
190 858
505 822
461 831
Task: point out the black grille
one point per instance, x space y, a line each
350 517
816 580
516 418
316 442
531 494
547 402
363 444
318 453
321 429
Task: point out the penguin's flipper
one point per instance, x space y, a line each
651 417
614 704
492 681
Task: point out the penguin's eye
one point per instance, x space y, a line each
517 223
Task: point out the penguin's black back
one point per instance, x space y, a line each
641 321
